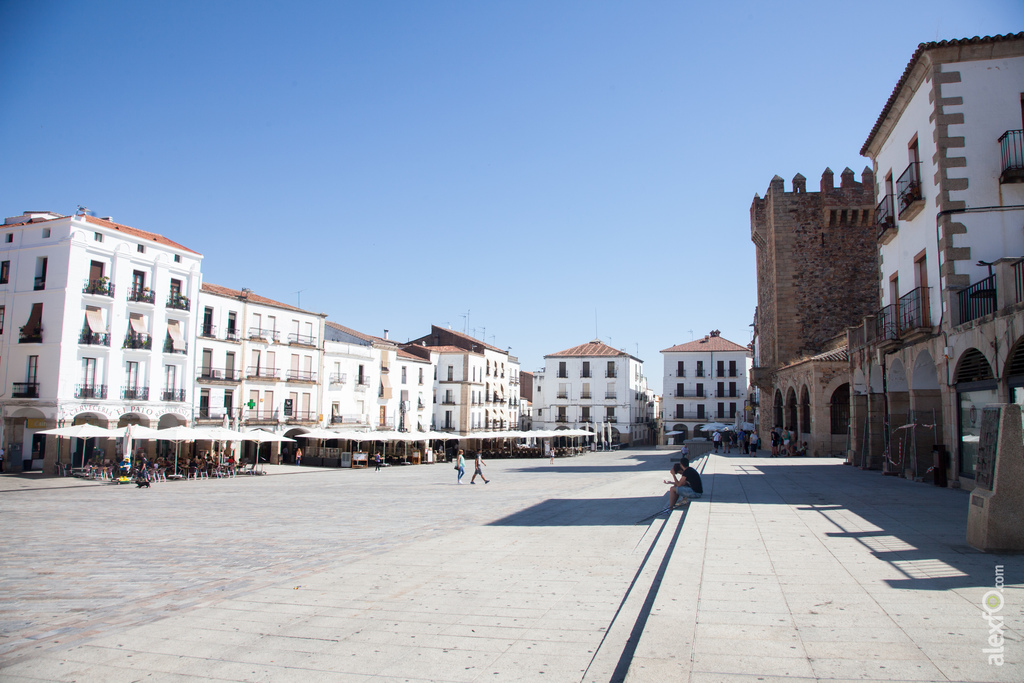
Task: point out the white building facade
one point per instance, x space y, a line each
706 380
259 362
948 154
96 319
593 386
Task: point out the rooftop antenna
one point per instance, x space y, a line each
298 294
465 321
691 334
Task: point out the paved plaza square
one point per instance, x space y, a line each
787 569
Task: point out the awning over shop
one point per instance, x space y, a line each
137 323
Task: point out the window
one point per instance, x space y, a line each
421 375
562 372
177 258
451 372
97 236
9 237
586 369
141 249
170 377
403 374
88 372
361 377
680 390
609 412
2 311
732 368
721 368
131 375
31 369
232 321
721 389
680 369
700 411
5 272
46 233
176 287
700 369
611 369
732 389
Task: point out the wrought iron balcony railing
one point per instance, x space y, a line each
885 219
887 326
977 300
301 339
173 395
90 391
610 394
135 340
914 310
25 390
100 287
30 336
169 346
219 375
338 378
300 376
142 295
908 188
135 393
178 301
1011 150
262 333
94 338
208 331
257 372
208 413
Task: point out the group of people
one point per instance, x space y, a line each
745 442
784 444
460 465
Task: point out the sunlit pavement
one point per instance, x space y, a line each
788 568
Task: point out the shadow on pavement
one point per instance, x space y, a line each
584 512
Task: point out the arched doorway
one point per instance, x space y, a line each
976 387
791 411
777 410
683 434
805 410
1014 373
839 410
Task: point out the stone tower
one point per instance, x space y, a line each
817 263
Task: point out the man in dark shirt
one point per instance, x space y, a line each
686 483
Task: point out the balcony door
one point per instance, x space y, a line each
207 362
131 381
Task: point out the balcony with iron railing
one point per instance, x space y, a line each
338 378
169 346
610 394
142 295
178 301
90 338
39 284
885 219
562 395
561 418
348 419
304 376
33 335
448 401
909 197
586 418
1011 150
610 418
25 390
258 372
208 331
296 339
301 416
232 335
90 391
977 300
173 395
586 395
887 326
260 416
265 334
135 393
219 375
612 374
914 312
135 340
100 287
206 413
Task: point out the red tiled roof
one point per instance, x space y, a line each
592 348
452 349
349 330
472 340
402 353
921 49
249 296
708 343
135 232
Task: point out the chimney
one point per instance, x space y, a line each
385 334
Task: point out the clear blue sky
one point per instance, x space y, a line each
539 164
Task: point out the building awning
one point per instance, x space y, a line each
35 318
94 319
385 386
138 324
177 338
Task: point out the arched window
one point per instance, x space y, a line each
791 423
778 409
839 410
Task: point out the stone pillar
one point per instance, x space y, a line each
876 433
858 417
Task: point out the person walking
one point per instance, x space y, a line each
376 462
460 465
479 464
298 457
716 438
